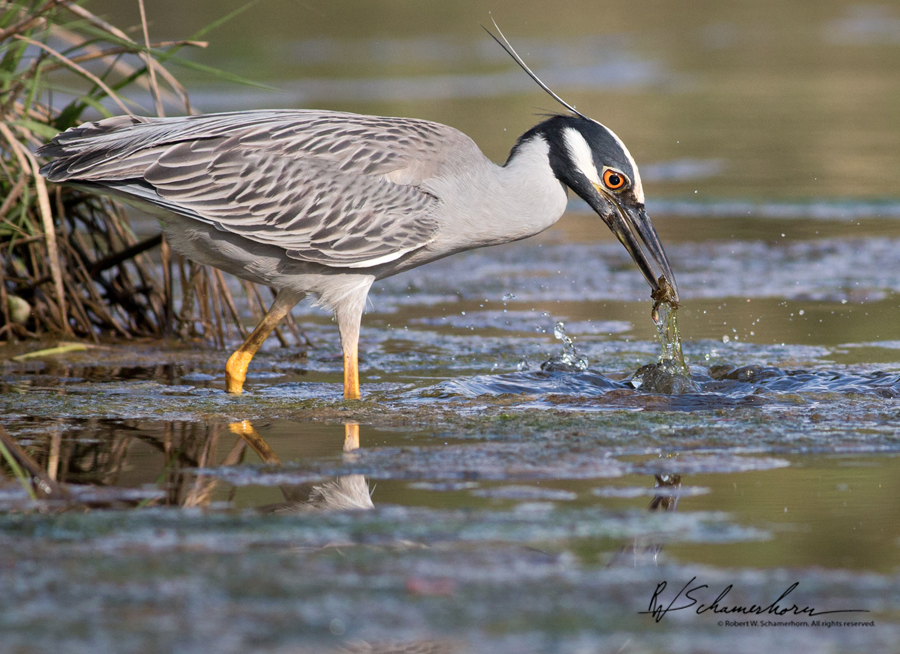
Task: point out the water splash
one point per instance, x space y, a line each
670 375
569 360
671 356
664 317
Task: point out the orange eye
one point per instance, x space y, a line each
613 179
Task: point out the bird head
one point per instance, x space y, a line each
591 160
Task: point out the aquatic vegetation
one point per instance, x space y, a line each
70 263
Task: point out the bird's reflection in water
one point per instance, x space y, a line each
666 497
347 492
645 550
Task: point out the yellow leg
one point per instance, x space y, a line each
348 310
246 431
351 372
236 368
351 436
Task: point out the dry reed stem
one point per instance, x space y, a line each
92 236
154 87
28 162
165 253
81 71
40 481
28 22
154 65
14 194
4 304
217 310
53 457
52 250
229 302
87 282
110 52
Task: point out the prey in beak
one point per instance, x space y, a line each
631 225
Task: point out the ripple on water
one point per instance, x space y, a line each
526 493
719 462
520 321
714 387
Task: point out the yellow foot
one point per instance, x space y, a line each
236 371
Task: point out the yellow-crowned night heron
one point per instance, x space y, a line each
325 203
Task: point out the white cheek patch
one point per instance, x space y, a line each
638 189
581 155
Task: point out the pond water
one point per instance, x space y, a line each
472 501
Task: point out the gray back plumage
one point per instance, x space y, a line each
332 188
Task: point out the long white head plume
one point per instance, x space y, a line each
505 44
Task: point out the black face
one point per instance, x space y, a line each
588 158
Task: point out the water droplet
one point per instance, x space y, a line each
570 360
508 297
559 332
725 339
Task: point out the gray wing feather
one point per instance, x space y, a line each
337 189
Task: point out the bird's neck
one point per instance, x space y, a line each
486 204
517 200
535 198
